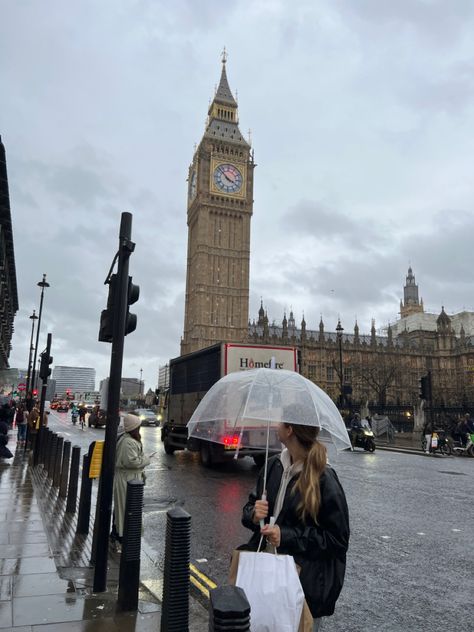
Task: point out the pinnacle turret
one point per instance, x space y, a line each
224 94
223 119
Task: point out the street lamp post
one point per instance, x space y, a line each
33 317
141 383
42 284
339 330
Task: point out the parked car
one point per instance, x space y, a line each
147 417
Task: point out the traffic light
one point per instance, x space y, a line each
424 387
133 295
45 371
106 328
35 392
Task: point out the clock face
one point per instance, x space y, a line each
193 184
228 178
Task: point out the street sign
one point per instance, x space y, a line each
21 386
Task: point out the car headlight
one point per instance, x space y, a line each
159 417
142 417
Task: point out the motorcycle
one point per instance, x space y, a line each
459 449
74 419
439 443
362 438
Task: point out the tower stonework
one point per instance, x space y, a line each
220 206
411 303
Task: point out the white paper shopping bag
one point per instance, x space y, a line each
273 589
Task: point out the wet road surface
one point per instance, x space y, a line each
410 563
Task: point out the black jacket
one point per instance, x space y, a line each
320 550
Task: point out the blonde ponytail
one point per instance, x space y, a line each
313 466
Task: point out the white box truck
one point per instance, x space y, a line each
193 374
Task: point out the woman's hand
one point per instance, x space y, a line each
260 511
272 533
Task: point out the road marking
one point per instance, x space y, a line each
420 533
199 586
203 577
386 537
202 560
456 530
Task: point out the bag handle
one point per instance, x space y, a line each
272 522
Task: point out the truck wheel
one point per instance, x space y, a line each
169 449
206 454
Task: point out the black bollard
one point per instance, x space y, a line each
129 576
58 462
175 603
228 609
44 444
84 514
52 454
65 469
73 480
47 447
40 437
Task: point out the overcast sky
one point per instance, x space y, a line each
362 121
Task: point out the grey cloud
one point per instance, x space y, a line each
322 222
438 21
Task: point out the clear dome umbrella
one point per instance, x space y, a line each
248 405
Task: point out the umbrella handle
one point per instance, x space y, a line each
262 522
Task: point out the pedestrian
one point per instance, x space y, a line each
469 423
34 423
306 499
21 422
428 433
5 413
11 413
462 430
130 461
4 451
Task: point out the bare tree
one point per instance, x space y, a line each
378 374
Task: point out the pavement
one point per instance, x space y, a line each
407 442
45 572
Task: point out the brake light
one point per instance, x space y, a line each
231 440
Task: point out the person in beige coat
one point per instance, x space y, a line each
130 461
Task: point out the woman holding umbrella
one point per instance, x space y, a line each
304 495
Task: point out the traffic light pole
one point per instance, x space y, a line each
42 284
430 393
120 308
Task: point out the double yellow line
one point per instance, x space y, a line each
201 581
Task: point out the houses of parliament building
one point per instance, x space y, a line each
382 369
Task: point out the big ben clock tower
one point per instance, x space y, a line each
220 202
